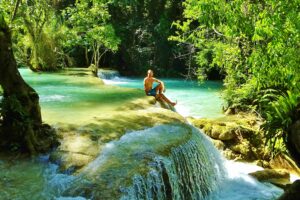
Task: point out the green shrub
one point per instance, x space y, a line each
279 115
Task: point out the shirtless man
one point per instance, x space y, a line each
157 91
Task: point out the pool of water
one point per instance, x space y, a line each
193 99
71 98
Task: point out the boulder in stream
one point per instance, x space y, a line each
277 177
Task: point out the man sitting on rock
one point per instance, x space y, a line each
158 90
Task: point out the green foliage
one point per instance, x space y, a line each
144 27
37 34
89 25
256 45
13 111
280 114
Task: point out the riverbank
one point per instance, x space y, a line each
240 138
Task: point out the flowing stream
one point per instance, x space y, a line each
172 161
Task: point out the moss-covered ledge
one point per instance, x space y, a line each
81 144
240 137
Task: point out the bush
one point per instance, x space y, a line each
279 115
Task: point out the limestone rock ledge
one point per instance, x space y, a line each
276 177
81 144
238 137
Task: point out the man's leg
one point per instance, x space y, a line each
163 97
160 88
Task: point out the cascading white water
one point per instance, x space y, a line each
192 171
108 73
164 162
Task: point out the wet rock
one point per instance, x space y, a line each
219 144
292 192
277 177
240 135
70 162
282 161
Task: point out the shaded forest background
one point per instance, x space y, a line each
130 36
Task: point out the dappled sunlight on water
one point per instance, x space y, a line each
194 99
75 99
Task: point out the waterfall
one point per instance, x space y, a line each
192 171
108 73
174 161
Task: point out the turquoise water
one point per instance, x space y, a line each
70 98
194 99
62 96
75 99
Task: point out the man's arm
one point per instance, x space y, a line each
157 80
160 82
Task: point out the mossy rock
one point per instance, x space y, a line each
222 133
231 155
82 143
241 136
281 177
218 144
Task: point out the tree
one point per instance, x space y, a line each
89 22
256 45
21 126
144 27
38 33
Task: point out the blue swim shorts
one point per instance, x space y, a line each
152 92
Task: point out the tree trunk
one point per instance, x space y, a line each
87 60
22 126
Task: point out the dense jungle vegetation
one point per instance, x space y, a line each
254 45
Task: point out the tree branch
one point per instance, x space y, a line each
15 11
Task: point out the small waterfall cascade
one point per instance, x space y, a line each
174 161
192 171
108 74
